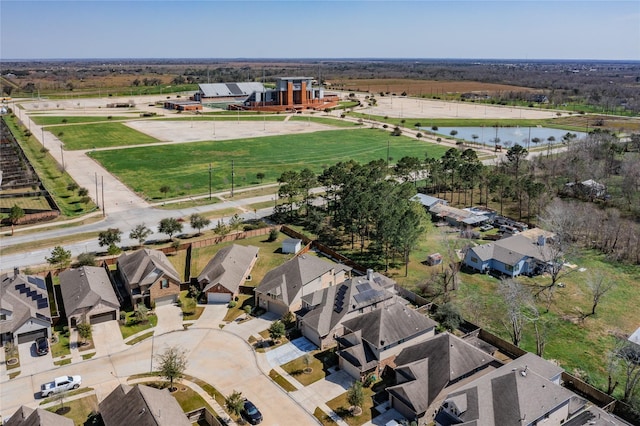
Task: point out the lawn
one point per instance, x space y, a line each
319 363
238 309
100 135
79 410
281 381
130 330
187 316
49 120
188 171
341 406
61 347
140 338
323 417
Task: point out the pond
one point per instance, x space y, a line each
508 136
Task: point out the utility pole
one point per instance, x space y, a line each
209 181
104 213
62 156
232 176
388 147
97 196
42 128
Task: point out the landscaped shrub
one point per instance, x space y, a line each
232 304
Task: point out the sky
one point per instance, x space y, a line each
555 29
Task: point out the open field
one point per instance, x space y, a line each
99 135
184 167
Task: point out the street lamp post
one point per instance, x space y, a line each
209 181
42 128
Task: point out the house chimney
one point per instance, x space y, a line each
16 271
541 240
370 274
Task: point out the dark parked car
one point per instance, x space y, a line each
250 413
42 346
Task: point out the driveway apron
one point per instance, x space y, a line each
30 362
107 338
169 319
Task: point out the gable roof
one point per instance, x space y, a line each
25 296
513 395
428 201
143 267
512 249
390 324
331 304
287 281
242 89
228 267
85 287
430 366
26 416
141 405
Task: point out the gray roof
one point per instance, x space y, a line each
391 324
287 280
143 267
26 416
428 201
635 337
228 267
331 304
234 90
25 296
430 366
512 395
85 287
141 405
512 249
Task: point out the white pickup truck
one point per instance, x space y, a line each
60 384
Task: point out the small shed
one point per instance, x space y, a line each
434 259
291 245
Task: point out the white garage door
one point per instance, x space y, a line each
166 300
218 297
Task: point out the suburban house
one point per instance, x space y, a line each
525 391
428 201
427 371
149 277
88 296
221 279
26 416
141 405
371 341
586 190
24 308
458 217
324 311
282 288
512 256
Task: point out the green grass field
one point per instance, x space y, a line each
185 167
50 120
100 135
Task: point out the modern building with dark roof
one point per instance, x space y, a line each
426 371
522 392
324 311
88 296
149 277
371 341
26 416
141 405
221 279
282 288
24 308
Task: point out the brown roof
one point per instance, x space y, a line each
144 267
228 267
85 287
26 416
141 405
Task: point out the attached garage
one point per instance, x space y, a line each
218 297
166 300
32 335
104 317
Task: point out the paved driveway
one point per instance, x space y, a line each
323 390
292 350
107 338
253 327
169 319
212 316
30 362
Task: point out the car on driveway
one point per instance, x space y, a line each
42 346
250 413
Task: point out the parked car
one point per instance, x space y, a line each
250 413
42 346
485 228
60 384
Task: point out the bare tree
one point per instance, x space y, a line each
628 354
518 301
598 286
541 326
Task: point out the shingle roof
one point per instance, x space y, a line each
144 266
449 358
25 297
390 324
26 416
85 287
512 395
141 405
228 267
331 304
512 249
287 280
